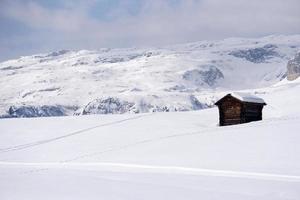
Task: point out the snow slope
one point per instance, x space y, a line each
137 80
178 155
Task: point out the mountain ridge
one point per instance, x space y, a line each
173 78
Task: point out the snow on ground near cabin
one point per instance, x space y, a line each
182 155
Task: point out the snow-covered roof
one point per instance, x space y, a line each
247 97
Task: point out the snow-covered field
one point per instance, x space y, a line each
177 155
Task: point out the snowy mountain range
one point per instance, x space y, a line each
136 80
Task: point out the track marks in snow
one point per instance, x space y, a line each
129 145
151 140
115 148
45 141
138 168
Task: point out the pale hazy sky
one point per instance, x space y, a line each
35 26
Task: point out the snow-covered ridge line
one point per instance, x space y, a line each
116 81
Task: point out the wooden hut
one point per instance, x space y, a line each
237 108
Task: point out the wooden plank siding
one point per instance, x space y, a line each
230 111
251 112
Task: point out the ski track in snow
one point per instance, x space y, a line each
119 147
125 146
137 168
45 141
40 142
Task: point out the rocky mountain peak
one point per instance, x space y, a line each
293 68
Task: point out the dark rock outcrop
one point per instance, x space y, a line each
58 53
200 77
257 55
35 111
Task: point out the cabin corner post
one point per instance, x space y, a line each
261 109
220 115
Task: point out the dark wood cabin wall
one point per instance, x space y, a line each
252 112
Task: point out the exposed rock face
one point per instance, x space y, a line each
35 111
58 53
109 105
118 59
293 68
196 104
257 55
208 76
115 105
